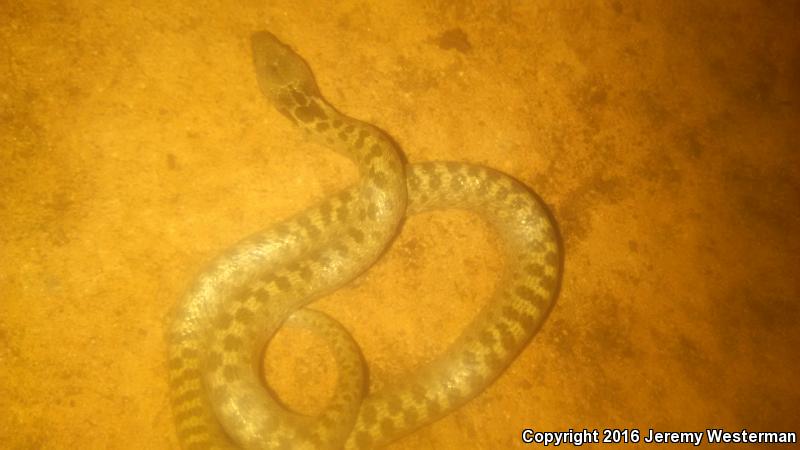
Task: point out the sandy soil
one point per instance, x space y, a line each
134 146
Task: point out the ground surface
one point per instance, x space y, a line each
134 146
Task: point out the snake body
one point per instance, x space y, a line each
235 306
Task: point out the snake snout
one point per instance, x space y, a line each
279 68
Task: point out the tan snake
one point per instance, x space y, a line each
223 324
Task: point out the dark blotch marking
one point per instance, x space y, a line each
262 296
188 395
393 404
457 183
363 440
185 433
527 322
281 228
494 361
551 258
452 167
486 338
285 101
325 212
453 397
189 353
433 407
360 141
268 278
506 338
534 269
327 420
214 360
476 383
310 228
175 364
375 150
337 123
231 373
341 249
189 374
300 98
310 113
315 438
202 445
501 194
244 316
454 39
356 234
379 180
548 283
191 412
526 294
305 273
511 314
468 358
419 393
232 343
387 427
435 182
322 126
369 414
223 320
282 283
410 417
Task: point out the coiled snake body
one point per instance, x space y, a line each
233 309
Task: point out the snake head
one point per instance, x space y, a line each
279 69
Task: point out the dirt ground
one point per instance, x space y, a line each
135 146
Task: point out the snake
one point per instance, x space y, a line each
222 325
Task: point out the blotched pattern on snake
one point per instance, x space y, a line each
226 319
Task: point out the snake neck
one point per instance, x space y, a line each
358 141
377 157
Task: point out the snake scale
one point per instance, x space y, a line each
221 327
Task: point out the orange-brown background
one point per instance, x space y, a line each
134 146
